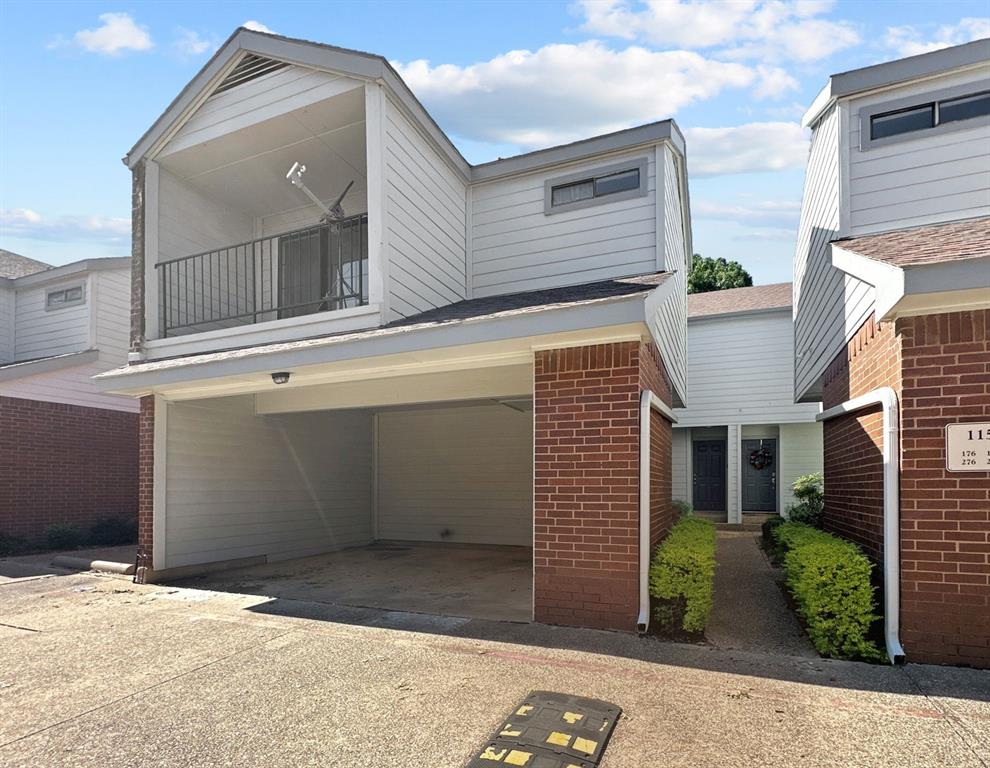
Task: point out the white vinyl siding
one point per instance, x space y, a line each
918 179
741 371
801 453
671 315
424 220
271 95
239 485
72 386
112 305
42 332
680 463
7 303
467 470
515 246
828 305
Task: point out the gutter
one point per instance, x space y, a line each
887 398
648 402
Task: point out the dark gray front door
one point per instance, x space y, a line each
759 489
708 464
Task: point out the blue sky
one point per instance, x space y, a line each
81 81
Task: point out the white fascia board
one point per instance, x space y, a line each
887 280
585 317
13 371
74 269
821 103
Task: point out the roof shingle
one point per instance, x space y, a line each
14 265
952 241
732 300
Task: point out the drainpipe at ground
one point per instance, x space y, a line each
887 398
648 402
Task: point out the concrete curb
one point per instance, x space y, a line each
85 564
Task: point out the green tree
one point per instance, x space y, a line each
709 274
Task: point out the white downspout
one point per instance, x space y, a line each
647 402
886 397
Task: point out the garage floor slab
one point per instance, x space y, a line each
469 580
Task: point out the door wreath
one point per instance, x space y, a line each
761 458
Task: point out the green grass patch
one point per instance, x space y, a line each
829 578
682 576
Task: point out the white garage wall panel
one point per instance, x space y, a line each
801 453
679 464
424 220
515 246
239 485
467 470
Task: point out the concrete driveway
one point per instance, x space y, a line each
96 671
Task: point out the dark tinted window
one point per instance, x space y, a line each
902 121
617 182
951 110
571 193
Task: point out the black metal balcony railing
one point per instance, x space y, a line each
317 269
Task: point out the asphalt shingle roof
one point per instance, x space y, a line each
14 265
754 298
952 241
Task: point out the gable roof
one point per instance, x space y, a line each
14 265
732 301
933 244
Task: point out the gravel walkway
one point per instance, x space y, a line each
750 612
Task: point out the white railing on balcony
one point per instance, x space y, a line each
317 269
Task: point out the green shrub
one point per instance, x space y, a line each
809 490
63 536
770 545
682 575
830 580
113 531
682 508
12 545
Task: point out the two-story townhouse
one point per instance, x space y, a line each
743 441
68 450
460 355
891 313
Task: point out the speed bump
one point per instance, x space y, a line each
551 730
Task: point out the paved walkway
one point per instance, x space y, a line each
750 612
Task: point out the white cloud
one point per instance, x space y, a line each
767 235
769 30
188 43
746 148
26 223
257 26
117 34
564 92
909 40
773 83
779 214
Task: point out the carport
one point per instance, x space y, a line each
338 493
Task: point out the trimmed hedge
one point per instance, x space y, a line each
682 575
830 580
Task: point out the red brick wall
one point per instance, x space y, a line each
940 367
64 464
586 496
146 485
945 516
653 376
853 444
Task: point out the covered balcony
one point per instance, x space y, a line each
243 254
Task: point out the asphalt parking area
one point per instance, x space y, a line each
96 671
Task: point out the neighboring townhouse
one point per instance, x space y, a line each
68 450
743 441
460 354
892 310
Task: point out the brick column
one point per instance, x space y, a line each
586 496
146 488
137 257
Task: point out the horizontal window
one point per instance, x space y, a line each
923 117
600 185
64 297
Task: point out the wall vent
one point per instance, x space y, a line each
249 68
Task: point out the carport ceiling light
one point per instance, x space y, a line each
281 377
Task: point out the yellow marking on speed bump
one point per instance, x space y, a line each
491 754
508 731
558 738
571 717
516 757
585 745
525 709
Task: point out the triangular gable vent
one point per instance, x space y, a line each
249 68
